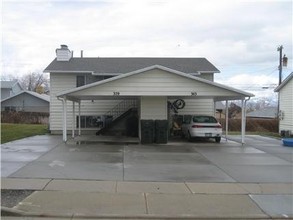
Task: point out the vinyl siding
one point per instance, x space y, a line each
153 108
155 83
5 93
61 82
207 76
153 86
286 106
27 103
197 106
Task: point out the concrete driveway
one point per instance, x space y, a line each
199 179
261 160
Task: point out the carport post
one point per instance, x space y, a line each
64 121
243 121
227 120
79 131
73 119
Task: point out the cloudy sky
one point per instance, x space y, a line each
239 37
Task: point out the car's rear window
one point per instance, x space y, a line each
204 119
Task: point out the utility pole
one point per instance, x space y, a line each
280 49
282 62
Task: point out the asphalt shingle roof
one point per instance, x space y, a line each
8 84
127 64
35 94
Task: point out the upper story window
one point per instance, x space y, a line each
80 80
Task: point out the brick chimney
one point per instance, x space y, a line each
63 53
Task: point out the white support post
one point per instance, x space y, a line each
215 108
64 119
79 126
227 120
73 119
243 121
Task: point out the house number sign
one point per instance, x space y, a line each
116 93
193 93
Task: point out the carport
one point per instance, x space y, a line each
151 87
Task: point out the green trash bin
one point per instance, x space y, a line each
161 131
147 131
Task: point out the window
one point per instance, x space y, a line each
10 108
90 122
204 119
80 81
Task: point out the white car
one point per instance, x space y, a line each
202 126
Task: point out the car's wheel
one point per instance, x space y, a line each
218 139
182 134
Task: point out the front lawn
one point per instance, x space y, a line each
11 132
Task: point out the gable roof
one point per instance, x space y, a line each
43 97
9 84
116 66
64 93
284 82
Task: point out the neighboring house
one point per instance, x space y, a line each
10 88
220 111
265 113
26 101
101 87
285 90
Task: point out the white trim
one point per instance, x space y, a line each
284 83
68 71
208 72
79 120
106 74
73 119
64 119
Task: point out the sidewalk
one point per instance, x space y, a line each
152 200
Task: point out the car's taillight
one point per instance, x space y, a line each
197 126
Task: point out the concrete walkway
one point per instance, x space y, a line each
75 199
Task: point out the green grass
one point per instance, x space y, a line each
11 132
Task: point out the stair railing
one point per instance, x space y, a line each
121 107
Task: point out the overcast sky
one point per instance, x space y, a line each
239 37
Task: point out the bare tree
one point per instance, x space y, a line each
37 82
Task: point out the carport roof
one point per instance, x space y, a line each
72 93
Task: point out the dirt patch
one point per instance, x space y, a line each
10 198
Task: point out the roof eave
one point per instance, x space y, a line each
279 87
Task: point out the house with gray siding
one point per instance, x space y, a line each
26 101
87 89
10 88
285 90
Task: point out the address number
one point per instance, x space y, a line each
116 93
193 93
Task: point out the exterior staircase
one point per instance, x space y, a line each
121 108
115 119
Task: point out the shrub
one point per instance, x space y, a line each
253 125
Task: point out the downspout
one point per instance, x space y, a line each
64 129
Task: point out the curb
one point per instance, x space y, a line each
5 211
